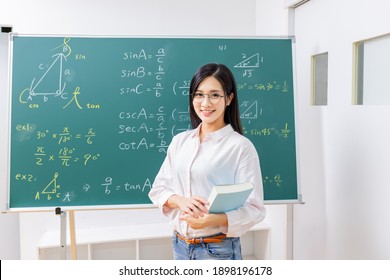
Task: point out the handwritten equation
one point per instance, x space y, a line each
283 132
145 129
63 147
155 69
265 87
273 180
51 189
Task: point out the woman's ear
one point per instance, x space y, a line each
229 99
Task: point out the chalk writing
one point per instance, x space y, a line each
249 64
154 68
271 87
273 181
51 189
74 98
182 88
143 122
44 87
25 177
250 110
283 132
66 155
109 186
66 135
92 118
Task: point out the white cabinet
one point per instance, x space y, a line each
140 242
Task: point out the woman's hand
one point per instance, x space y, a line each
207 220
195 222
194 206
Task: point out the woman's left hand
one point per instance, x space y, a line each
207 220
195 223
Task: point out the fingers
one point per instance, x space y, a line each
193 211
184 216
194 222
200 204
199 201
196 206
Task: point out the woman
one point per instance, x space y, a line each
214 152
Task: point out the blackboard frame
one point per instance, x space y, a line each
298 199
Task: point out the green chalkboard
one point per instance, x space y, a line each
92 117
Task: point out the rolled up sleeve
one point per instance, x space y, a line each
162 188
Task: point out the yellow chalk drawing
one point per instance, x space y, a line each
52 187
75 93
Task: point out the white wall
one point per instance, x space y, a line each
123 17
272 20
346 212
9 237
143 17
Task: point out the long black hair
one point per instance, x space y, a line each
226 78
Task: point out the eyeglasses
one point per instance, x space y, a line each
213 97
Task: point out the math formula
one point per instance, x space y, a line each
92 118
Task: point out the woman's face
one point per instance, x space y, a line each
211 112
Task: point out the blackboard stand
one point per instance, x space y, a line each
63 231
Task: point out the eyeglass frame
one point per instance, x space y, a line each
209 96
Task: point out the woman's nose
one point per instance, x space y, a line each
206 99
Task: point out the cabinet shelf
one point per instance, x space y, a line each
139 242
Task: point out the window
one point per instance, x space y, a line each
319 89
372 71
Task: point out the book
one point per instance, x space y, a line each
225 198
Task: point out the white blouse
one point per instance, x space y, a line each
192 168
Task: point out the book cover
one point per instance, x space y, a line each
224 198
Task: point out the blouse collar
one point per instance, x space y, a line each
214 135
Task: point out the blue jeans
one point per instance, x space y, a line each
228 249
